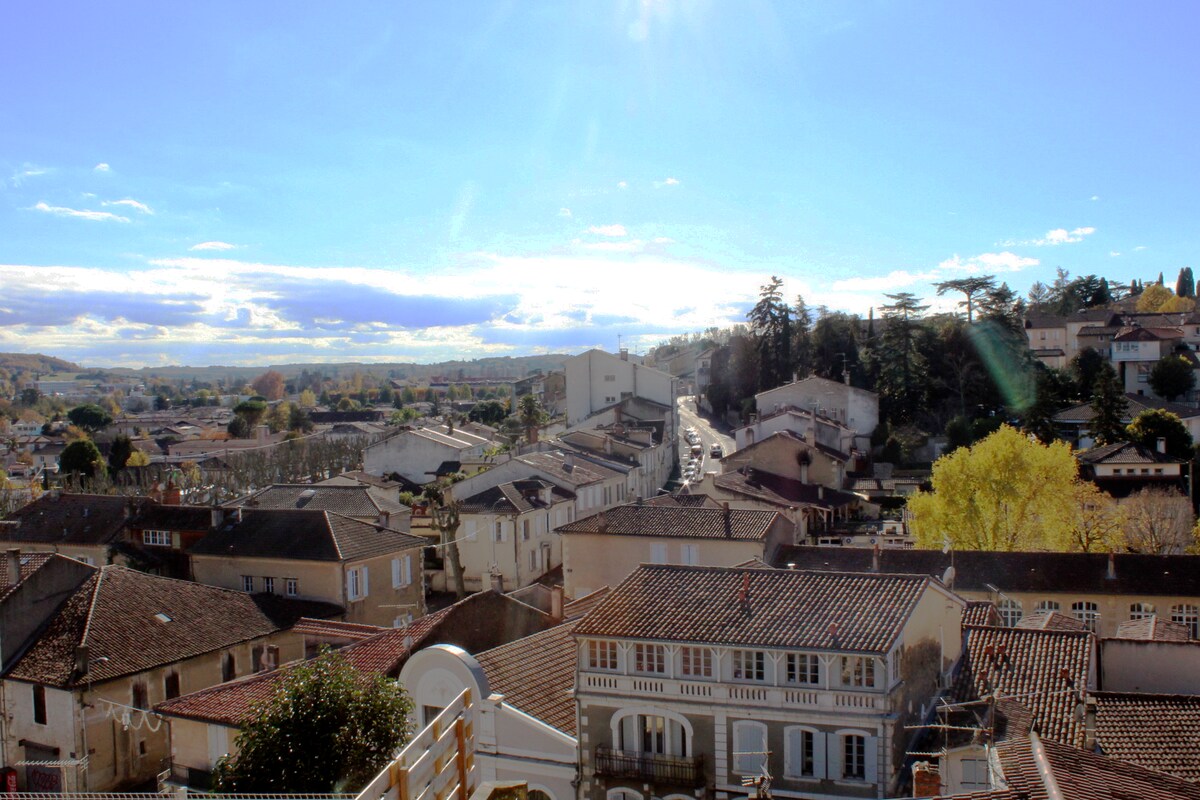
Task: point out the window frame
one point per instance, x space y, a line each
603 655
858 672
691 657
156 538
649 658
793 670
738 664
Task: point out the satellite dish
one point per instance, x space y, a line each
948 576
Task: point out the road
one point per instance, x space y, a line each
688 418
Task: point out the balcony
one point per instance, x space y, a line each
649 768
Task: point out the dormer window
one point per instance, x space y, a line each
156 538
650 658
803 668
858 672
749 665
602 655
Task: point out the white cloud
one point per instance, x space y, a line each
564 212
1139 248
607 230
134 204
663 240
627 246
1054 237
213 246
622 185
988 262
102 167
1114 253
62 211
667 182
1095 197
896 279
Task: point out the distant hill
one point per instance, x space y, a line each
494 367
35 362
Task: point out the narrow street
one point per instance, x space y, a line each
709 435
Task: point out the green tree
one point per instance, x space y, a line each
1154 297
251 411
238 428
771 326
298 419
83 457
899 361
801 337
1172 376
1053 395
307 399
1185 286
137 459
90 417
1085 368
1110 407
119 452
834 344
972 289
531 415
1154 424
489 412
1006 492
327 728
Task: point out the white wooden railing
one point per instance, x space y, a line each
741 694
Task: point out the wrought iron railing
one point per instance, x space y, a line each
649 767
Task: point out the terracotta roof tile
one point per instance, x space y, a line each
70 519
578 608
537 675
350 501
1153 628
1051 621
1043 670
757 607
981 612
329 627
116 613
303 535
1156 731
680 522
28 564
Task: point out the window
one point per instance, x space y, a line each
1010 612
228 667
291 586
525 530
858 671
156 537
39 704
356 583
654 734
86 560
854 757
138 695
650 658
689 554
401 571
1189 616
533 560
658 553
171 685
498 533
749 665
1141 610
1047 605
247 583
804 753
268 585
975 774
749 747
1087 613
602 655
610 378
803 668
695 662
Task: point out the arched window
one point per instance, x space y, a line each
540 794
1141 610
1187 615
1010 612
854 756
1088 613
623 794
1047 605
804 753
651 731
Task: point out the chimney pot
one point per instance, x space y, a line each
13 564
556 602
497 582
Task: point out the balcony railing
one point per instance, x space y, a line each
649 767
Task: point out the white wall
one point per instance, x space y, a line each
596 379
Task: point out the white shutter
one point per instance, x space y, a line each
350 585
689 554
871 751
365 589
748 738
628 733
406 572
834 750
819 757
793 752
658 553
396 573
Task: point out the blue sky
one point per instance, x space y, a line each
244 183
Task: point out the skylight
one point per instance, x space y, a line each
161 617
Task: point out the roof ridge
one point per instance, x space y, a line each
87 626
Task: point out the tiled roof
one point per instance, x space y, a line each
1043 670
335 628
980 612
1153 628
685 523
29 563
1156 731
349 501
1080 775
302 535
758 607
684 500
1050 573
580 472
115 614
1124 453
514 497
69 519
1051 621
580 607
537 675
1136 404
158 516
781 490
1140 334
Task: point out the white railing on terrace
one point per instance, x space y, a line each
745 694
439 762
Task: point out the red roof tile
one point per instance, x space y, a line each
1157 731
685 523
537 675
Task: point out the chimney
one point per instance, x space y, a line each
172 496
1112 567
875 558
568 461
728 522
384 519
1162 444
846 375
1089 725
624 354
218 517
556 602
12 563
497 582
927 781
262 432
81 660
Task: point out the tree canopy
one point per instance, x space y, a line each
1172 376
270 385
327 728
81 456
1154 424
1005 492
90 417
1110 406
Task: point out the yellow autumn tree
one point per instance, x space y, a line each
1006 492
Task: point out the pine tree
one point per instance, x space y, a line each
898 357
771 326
1110 407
